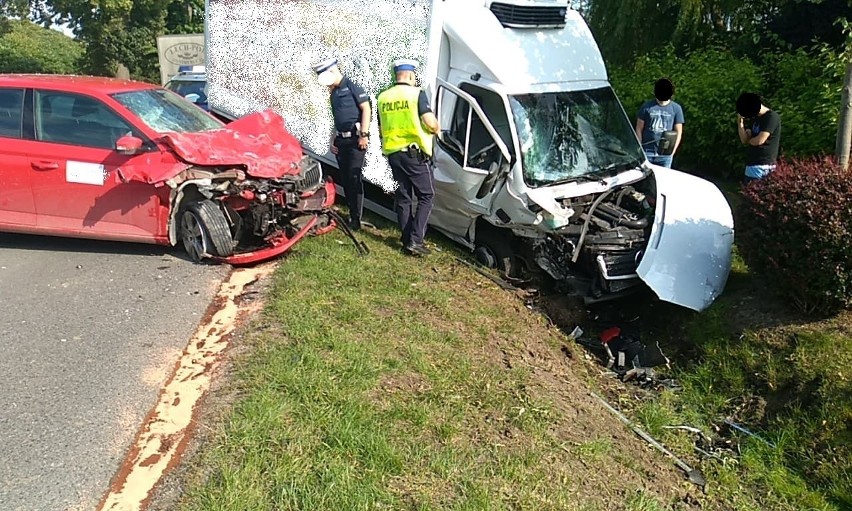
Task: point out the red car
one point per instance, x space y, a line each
110 159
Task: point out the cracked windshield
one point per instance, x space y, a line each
166 112
568 135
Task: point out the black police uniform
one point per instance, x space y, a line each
345 101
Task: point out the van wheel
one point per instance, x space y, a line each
205 231
494 250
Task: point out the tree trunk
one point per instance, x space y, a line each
844 128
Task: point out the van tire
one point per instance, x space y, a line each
204 231
493 249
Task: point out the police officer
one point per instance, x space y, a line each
407 126
350 106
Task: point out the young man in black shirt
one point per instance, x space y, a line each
350 106
763 137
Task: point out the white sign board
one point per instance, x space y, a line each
179 50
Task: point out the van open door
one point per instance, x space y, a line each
469 159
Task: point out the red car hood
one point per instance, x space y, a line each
259 143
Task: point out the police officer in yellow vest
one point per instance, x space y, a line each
407 127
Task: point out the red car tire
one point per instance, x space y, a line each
204 231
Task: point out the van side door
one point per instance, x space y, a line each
469 156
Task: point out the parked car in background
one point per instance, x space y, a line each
101 158
191 83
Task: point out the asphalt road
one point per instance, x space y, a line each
89 331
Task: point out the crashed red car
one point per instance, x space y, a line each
102 158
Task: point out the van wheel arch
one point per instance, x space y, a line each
494 247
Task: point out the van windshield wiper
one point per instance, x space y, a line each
615 168
588 178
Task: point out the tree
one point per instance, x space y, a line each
629 28
121 32
28 48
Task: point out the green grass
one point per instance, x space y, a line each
800 373
378 382
372 384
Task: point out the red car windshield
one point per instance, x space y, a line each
165 112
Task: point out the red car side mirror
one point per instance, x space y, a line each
128 145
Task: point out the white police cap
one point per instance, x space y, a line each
324 73
405 65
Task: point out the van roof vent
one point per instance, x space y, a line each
527 16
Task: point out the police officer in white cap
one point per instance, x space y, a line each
407 126
350 106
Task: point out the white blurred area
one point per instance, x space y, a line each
261 54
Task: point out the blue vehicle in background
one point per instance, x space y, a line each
191 83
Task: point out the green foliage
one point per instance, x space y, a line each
626 29
794 231
124 31
29 48
707 83
803 86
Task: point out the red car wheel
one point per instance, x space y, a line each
205 231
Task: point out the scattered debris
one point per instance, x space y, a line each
694 475
342 224
742 429
627 358
497 280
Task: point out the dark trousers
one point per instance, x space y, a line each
414 175
350 161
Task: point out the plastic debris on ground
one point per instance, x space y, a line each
627 357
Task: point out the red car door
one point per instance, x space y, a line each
17 207
75 185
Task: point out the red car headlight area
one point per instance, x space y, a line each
319 223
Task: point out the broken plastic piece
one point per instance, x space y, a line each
747 432
609 334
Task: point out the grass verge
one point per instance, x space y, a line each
787 380
388 382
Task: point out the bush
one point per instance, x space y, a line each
794 229
805 89
802 86
28 48
707 84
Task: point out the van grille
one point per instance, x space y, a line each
524 16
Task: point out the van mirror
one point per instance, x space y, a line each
128 145
192 97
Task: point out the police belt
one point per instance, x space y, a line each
351 133
414 151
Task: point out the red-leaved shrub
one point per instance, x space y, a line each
794 230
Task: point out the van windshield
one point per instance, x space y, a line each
567 135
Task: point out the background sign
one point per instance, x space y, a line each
179 50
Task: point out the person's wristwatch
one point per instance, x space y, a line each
365 134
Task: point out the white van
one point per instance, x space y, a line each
537 165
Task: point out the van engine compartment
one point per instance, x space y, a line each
598 251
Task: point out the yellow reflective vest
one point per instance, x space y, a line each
400 124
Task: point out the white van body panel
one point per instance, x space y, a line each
688 257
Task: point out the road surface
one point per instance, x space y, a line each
89 332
